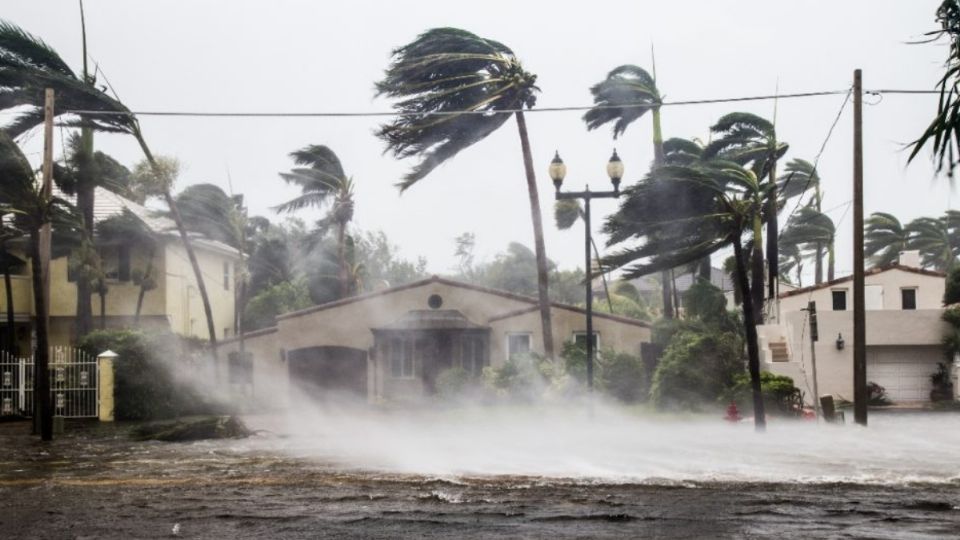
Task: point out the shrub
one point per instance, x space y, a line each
942 385
780 396
696 368
877 395
951 290
145 388
520 377
619 375
452 383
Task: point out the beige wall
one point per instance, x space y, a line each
184 305
271 382
929 292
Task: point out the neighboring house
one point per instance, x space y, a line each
175 302
903 327
650 289
393 344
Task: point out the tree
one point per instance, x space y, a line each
944 130
322 182
799 177
23 197
127 228
567 212
937 240
679 214
885 238
28 66
747 139
438 76
811 231
625 95
283 297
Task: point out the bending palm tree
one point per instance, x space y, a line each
885 238
322 182
680 214
27 67
625 95
448 70
937 240
746 138
812 231
799 176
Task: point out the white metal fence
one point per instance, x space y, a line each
73 383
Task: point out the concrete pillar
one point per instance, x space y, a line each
105 384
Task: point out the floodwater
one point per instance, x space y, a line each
473 474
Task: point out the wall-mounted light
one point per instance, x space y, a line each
840 342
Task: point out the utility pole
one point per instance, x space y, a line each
814 337
859 309
44 409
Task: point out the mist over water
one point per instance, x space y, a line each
616 445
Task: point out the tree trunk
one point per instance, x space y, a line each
666 294
818 264
43 408
10 343
188 246
753 348
343 275
102 293
830 261
666 280
543 291
86 185
756 271
773 232
147 275
676 292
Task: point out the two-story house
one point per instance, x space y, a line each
174 302
904 303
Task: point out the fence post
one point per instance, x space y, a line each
105 380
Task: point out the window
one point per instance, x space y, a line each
401 358
517 344
115 262
580 339
226 275
473 354
839 299
908 298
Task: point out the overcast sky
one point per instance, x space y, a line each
306 56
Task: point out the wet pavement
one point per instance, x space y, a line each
96 483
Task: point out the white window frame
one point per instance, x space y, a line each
506 345
578 333
406 348
916 297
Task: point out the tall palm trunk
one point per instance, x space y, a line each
10 343
753 349
187 244
756 270
85 203
147 276
666 276
43 408
818 264
773 232
543 291
343 275
831 262
102 293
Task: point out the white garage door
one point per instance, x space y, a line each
903 371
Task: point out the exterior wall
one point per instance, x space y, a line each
920 328
929 292
271 381
184 305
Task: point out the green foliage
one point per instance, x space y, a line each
696 369
624 306
521 378
453 382
877 395
951 291
145 387
942 384
780 396
261 311
625 95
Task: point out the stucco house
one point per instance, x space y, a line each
174 303
391 345
903 328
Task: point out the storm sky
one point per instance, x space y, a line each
300 56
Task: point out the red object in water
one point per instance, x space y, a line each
809 414
733 415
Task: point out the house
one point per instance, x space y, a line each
903 330
391 345
174 303
650 288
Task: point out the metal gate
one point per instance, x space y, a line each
73 384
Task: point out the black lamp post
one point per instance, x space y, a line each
615 171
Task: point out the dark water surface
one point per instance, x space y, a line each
95 483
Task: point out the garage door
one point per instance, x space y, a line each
903 371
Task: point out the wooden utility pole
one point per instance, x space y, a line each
42 399
859 308
814 337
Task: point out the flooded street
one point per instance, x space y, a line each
95 483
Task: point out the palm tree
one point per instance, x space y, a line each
799 177
885 238
28 66
814 232
23 197
438 76
937 240
791 258
625 95
127 228
682 213
746 138
322 182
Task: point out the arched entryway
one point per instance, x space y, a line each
326 369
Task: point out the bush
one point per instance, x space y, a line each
942 385
519 378
780 396
877 395
452 383
619 375
696 369
145 388
951 290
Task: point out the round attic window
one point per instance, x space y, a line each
435 301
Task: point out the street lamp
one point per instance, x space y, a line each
558 170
